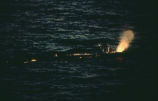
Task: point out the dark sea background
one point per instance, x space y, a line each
38 29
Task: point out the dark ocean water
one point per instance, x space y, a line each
50 30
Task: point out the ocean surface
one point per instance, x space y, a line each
39 40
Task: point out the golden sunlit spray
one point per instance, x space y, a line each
125 40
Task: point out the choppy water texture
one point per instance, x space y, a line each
50 31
